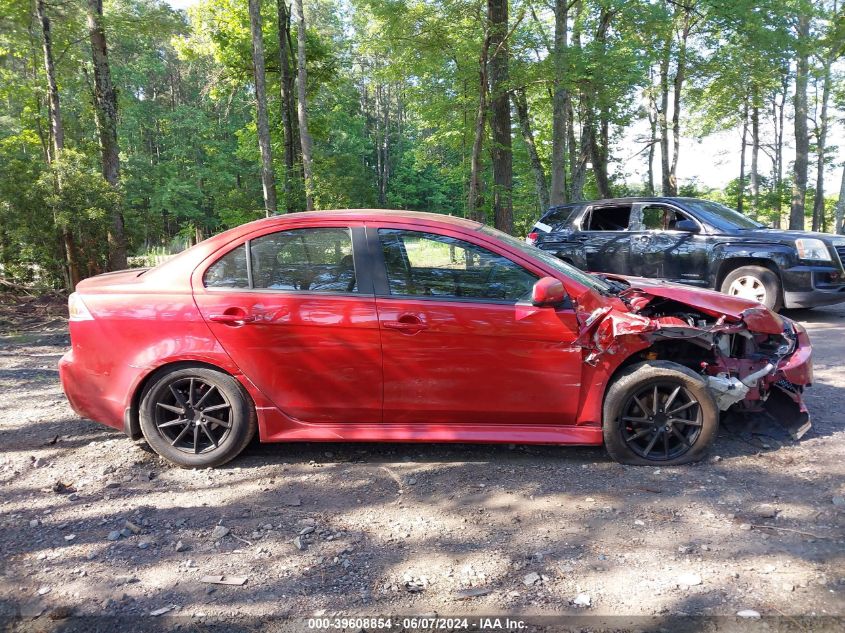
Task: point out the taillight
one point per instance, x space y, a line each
532 238
77 309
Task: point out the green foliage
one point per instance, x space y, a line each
393 90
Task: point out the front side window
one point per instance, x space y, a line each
609 219
315 260
653 218
657 217
431 265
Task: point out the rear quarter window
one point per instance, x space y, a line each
559 218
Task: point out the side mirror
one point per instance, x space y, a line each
687 225
547 291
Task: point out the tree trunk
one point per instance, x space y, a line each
802 140
779 107
268 175
755 154
520 103
558 159
72 274
662 116
741 195
598 141
105 110
286 89
500 120
839 213
680 76
821 143
304 135
652 141
473 208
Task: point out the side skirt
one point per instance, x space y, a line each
469 433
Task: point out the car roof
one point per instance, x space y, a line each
364 215
628 200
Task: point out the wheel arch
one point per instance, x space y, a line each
132 417
659 351
730 264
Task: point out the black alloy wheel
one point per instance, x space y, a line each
661 421
193 415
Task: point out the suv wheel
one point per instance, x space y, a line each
659 413
756 283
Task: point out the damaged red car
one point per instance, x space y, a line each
370 326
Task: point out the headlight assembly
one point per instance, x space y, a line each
811 248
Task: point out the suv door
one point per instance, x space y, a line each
459 342
604 238
295 311
662 251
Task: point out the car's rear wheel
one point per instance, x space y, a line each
659 413
756 283
196 417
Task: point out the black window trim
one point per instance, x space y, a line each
360 261
379 268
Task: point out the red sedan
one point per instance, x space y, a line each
397 326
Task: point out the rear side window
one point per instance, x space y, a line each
229 271
609 219
558 218
308 260
316 260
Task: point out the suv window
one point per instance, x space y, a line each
557 218
661 218
609 218
316 260
426 264
229 271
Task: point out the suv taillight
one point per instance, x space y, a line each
532 238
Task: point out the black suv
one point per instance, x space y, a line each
700 243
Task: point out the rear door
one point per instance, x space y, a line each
606 239
295 311
460 342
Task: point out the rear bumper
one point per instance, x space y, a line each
85 393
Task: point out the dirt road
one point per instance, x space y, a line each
95 524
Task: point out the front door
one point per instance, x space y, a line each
461 345
295 313
660 250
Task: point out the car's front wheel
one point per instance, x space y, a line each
196 417
659 413
756 283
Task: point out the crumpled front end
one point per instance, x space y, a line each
752 359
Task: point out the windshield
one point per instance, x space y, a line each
722 216
585 279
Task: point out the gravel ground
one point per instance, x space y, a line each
93 524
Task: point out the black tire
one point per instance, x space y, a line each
767 279
203 440
634 432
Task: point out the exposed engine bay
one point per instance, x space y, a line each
744 352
